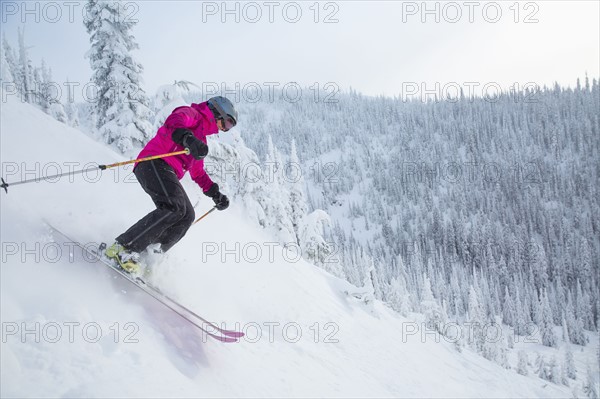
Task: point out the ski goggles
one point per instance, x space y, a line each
228 122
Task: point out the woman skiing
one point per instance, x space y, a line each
186 127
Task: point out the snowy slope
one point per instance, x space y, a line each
42 285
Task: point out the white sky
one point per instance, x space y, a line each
370 48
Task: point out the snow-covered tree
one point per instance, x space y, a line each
583 308
5 67
552 371
71 110
42 79
277 207
547 369
574 324
563 376
547 323
57 111
167 98
122 105
565 330
25 75
502 350
398 296
508 314
590 387
476 320
569 363
46 95
252 188
295 181
314 246
522 363
430 308
368 294
522 321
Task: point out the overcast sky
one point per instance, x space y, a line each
375 47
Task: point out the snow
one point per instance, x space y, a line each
360 350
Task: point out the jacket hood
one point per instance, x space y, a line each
210 121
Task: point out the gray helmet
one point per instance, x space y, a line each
222 108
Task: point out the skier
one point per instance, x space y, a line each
186 127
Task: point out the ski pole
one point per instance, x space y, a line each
206 214
5 185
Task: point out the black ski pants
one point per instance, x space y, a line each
174 213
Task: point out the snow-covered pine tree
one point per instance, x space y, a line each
510 339
379 286
57 111
534 301
71 110
5 75
565 330
574 324
540 363
458 308
398 296
368 294
522 321
547 369
315 247
569 363
559 299
583 308
590 387
508 313
553 370
546 322
25 75
586 270
251 188
563 376
42 78
522 367
502 345
278 207
9 65
46 95
430 308
122 105
476 320
296 183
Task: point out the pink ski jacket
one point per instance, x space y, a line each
199 119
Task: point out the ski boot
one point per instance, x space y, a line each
129 261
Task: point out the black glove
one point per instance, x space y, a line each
186 138
221 200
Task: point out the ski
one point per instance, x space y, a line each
230 333
185 313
